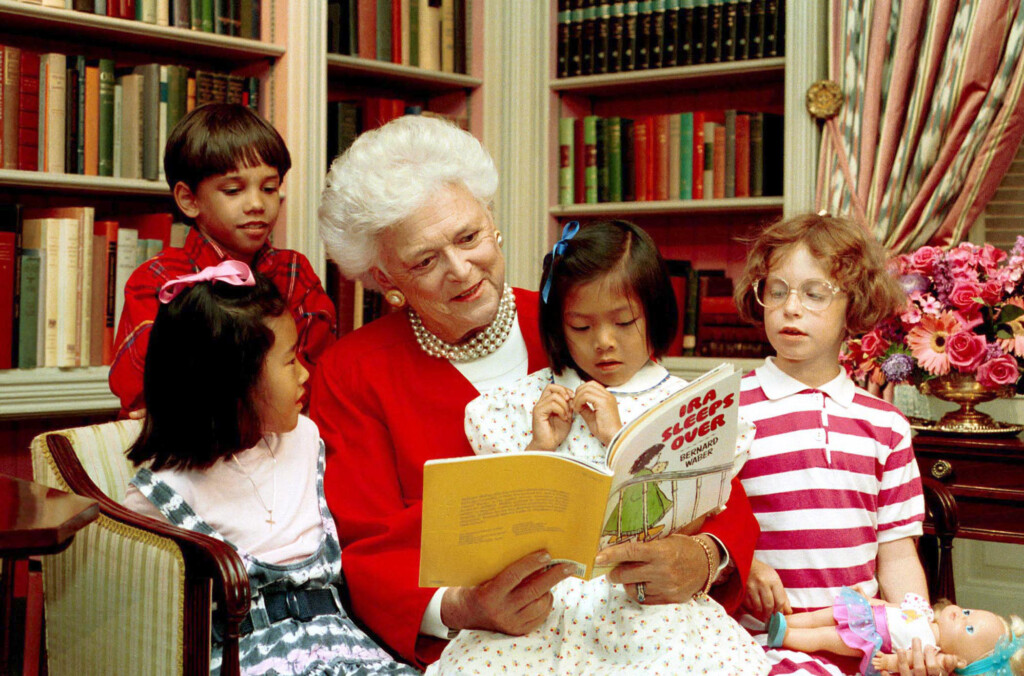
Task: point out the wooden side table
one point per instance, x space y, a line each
34 519
986 478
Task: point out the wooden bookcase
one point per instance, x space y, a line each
58 392
706 232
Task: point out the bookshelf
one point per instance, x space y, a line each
60 392
704 231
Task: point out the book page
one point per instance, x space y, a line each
481 513
674 463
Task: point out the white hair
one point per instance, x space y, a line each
386 175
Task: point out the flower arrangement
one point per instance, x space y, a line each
964 313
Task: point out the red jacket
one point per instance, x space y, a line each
384 408
288 270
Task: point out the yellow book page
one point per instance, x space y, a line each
481 513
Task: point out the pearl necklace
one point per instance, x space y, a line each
480 345
273 495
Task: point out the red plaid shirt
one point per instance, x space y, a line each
288 270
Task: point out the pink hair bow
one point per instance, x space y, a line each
231 272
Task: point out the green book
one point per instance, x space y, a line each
28 308
195 13
150 120
613 130
686 156
206 13
414 33
384 30
565 160
177 95
590 159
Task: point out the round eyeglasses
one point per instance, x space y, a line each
813 294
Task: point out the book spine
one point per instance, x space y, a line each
85 281
564 17
674 136
718 165
69 273
686 38
700 30
660 175
709 160
698 155
430 35
150 115
630 36
462 41
756 47
645 10
614 132
656 49
602 36
127 243
91 145
11 85
715 35
743 155
686 156
447 36
730 154
743 30
28 309
670 48
117 124
9 278
383 37
756 154
579 162
590 159
730 30
771 27
602 159
105 131
641 154
587 38
616 28
566 179
55 113
628 159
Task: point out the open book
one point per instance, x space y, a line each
668 467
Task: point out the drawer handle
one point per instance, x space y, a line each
941 469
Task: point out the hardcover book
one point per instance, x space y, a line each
630 36
10 87
644 35
566 178
663 471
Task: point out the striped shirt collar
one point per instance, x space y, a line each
776 384
647 378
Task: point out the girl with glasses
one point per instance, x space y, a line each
831 475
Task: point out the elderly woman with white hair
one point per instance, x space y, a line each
407 210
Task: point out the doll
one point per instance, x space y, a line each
969 641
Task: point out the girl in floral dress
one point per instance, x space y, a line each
226 453
608 312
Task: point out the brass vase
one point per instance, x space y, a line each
962 389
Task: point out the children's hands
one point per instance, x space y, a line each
599 410
765 592
552 418
922 661
515 602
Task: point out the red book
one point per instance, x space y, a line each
127 9
28 112
579 176
642 158
8 280
742 155
104 289
366 20
719 162
149 226
396 31
660 157
698 154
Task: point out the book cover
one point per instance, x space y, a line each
642 158
616 29
590 159
656 48
52 112
91 122
481 513
11 86
10 282
701 23
670 47
127 244
756 154
730 30
566 156
743 19
587 37
709 159
715 35
674 135
686 156
718 163
644 34
630 37
28 308
698 154
105 133
28 111
729 164
685 49
613 132
742 155
104 270
660 151
563 18
628 159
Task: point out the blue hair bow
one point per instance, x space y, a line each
568 232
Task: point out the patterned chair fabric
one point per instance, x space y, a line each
117 601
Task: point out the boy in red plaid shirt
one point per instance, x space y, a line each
224 165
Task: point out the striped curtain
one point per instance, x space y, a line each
933 114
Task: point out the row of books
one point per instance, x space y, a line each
224 17
681 156
710 325
610 36
62 279
69 114
429 34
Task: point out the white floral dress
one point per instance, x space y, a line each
594 627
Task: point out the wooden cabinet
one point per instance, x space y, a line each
986 478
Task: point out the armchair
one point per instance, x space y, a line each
131 594
936 546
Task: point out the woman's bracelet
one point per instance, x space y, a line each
711 566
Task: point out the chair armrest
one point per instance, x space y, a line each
940 506
205 557
936 551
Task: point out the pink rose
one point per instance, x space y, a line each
923 260
963 295
999 371
966 350
873 345
991 291
990 256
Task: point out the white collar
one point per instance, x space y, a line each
777 384
647 378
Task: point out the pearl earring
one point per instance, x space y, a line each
498 238
395 298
